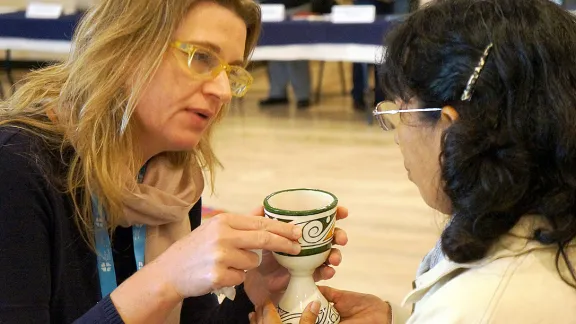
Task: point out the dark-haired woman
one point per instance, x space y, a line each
484 113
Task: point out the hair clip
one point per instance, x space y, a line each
467 95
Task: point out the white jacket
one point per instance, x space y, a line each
517 282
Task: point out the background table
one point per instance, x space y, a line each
287 40
281 41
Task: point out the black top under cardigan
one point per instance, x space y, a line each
47 272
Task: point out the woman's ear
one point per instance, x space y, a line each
449 116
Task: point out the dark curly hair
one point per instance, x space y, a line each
512 152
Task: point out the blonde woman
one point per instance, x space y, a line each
101 162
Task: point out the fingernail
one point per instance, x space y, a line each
296 247
297 231
315 308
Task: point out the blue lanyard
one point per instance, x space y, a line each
105 261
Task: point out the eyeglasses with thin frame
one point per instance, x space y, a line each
390 118
206 64
388 115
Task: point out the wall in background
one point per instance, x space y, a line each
22 3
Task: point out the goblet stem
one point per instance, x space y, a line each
301 289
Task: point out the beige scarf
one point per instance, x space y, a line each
162 202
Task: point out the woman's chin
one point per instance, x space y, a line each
185 144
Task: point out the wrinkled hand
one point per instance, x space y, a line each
270 279
267 314
356 308
216 255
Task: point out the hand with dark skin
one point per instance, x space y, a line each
357 308
353 307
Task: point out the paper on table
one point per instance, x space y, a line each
41 10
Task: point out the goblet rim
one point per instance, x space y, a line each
310 212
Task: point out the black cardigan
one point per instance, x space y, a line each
47 273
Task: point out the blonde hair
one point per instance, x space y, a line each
117 48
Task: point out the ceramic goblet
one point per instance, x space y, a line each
315 211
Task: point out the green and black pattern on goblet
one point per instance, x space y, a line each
316 234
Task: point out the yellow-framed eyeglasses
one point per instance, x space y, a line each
206 64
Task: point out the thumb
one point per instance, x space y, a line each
310 313
270 314
331 294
